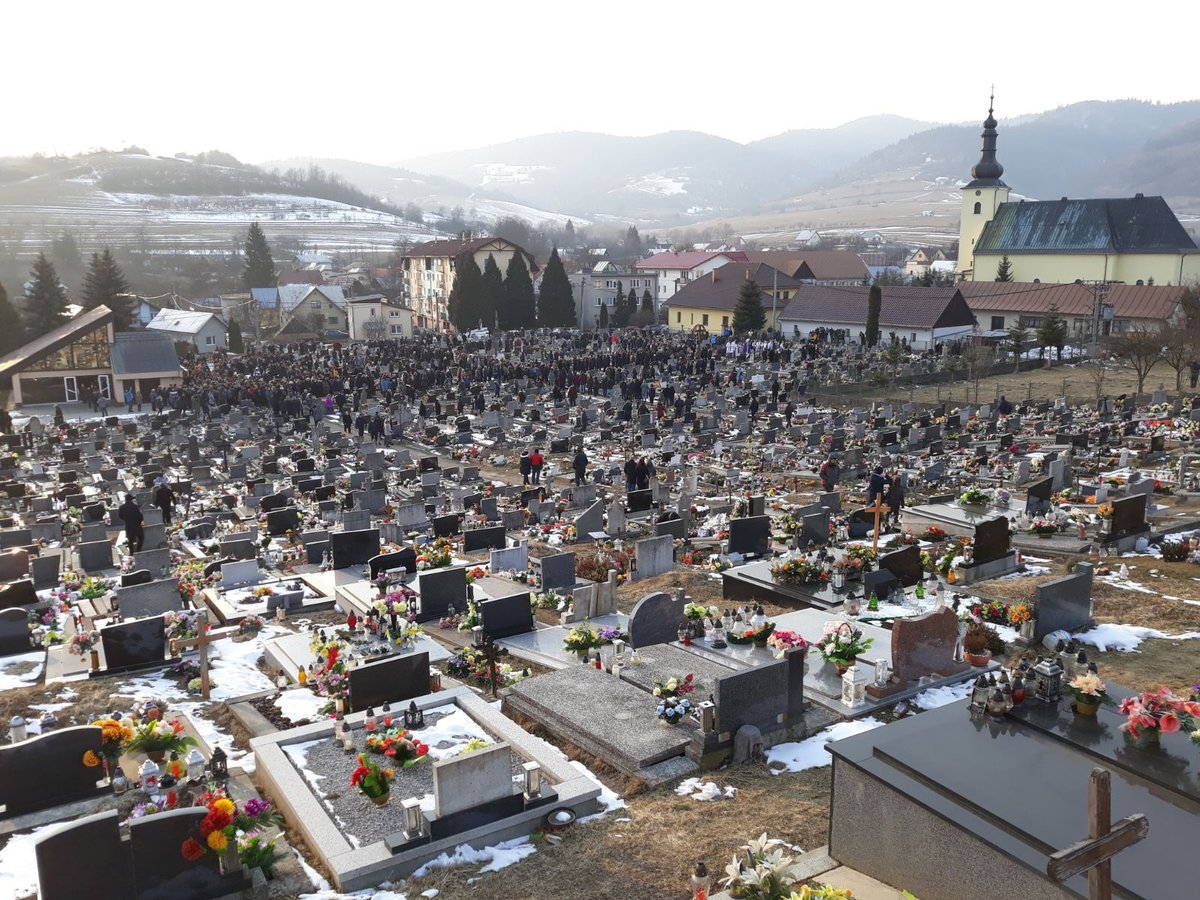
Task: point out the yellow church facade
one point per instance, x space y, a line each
1135 240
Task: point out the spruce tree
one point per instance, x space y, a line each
46 300
874 308
604 316
258 271
520 308
465 298
556 301
1004 270
647 301
492 295
748 315
12 332
104 285
236 344
1053 331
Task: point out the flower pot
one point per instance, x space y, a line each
1045 535
758 643
157 755
1146 740
979 658
842 665
1083 708
1029 629
382 799
582 654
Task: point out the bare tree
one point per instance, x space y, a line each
1098 371
1141 348
1179 351
978 358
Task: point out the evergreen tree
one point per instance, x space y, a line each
1053 331
874 308
633 243
556 302
492 295
519 306
12 332
466 298
46 300
604 316
569 234
647 301
236 344
258 271
1004 270
748 315
1017 344
104 284
67 259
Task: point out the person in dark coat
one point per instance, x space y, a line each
580 466
131 514
642 474
831 474
895 496
630 475
164 499
525 467
876 485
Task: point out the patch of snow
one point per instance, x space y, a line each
810 753
18 863
608 799
299 704
10 680
1126 638
498 857
943 696
704 790
318 880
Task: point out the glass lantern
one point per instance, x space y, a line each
149 774
1048 674
195 766
854 687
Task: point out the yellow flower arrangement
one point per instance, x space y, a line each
90 759
217 840
224 805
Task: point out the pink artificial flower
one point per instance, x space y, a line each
1169 723
1128 705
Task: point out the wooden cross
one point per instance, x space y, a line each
492 655
877 509
1105 840
207 636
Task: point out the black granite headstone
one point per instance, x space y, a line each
905 564
391 680
402 559
14 632
134 645
279 521
506 616
484 538
439 589
991 540
354 548
446 526
750 534
24 785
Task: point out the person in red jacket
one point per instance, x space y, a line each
536 461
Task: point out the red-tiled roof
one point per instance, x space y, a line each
719 288
821 265
689 259
1129 301
302 276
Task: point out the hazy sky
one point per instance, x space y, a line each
383 81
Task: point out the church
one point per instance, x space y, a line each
1135 240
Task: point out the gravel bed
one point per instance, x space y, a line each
328 767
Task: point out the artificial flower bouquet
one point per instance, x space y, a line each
1089 688
760 635
582 638
1160 711
397 745
157 736
974 497
372 780
83 641
784 640
225 822
841 642
697 611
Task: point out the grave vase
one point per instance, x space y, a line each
1029 629
95 660
1087 709
1146 740
157 755
382 799
842 665
230 862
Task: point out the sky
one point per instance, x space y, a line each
387 81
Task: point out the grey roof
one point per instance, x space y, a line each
266 298
182 321
142 352
1127 225
903 306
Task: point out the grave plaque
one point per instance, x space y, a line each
1129 516
391 680
1065 603
757 696
446 526
558 571
654 555
484 538
280 521
440 589
14 632
639 501
150 599
750 535
405 559
472 780
24 786
991 540
506 616
133 645
354 548
240 574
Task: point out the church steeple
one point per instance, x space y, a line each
988 170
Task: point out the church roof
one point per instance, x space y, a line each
1134 225
988 170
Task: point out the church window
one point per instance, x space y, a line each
978 208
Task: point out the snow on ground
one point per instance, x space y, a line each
21 670
811 753
1126 638
18 864
608 799
943 696
299 704
498 857
696 789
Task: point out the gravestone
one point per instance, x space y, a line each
558 571
88 844
14 632
750 535
673 528
757 697
440 589
922 645
24 786
1037 495
639 501
356 520
493 538
133 645
991 540
95 556
655 619
1129 516
152 560
13 564
240 574
616 518
589 521
1065 603
159 869
280 521
411 515
506 616
137 576
654 555
1144 489
17 594
151 599
446 526
472 780
815 528
391 680
240 548
45 569
405 558
905 564
514 559
353 548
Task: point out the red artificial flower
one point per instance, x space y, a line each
192 850
220 819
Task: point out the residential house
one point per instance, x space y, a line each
999 306
919 315
598 288
831 267
1136 240
83 356
322 308
922 261
374 317
673 271
206 332
708 302
429 270
301 276
807 238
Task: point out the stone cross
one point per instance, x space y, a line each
207 636
1105 840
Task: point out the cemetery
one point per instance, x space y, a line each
334 662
